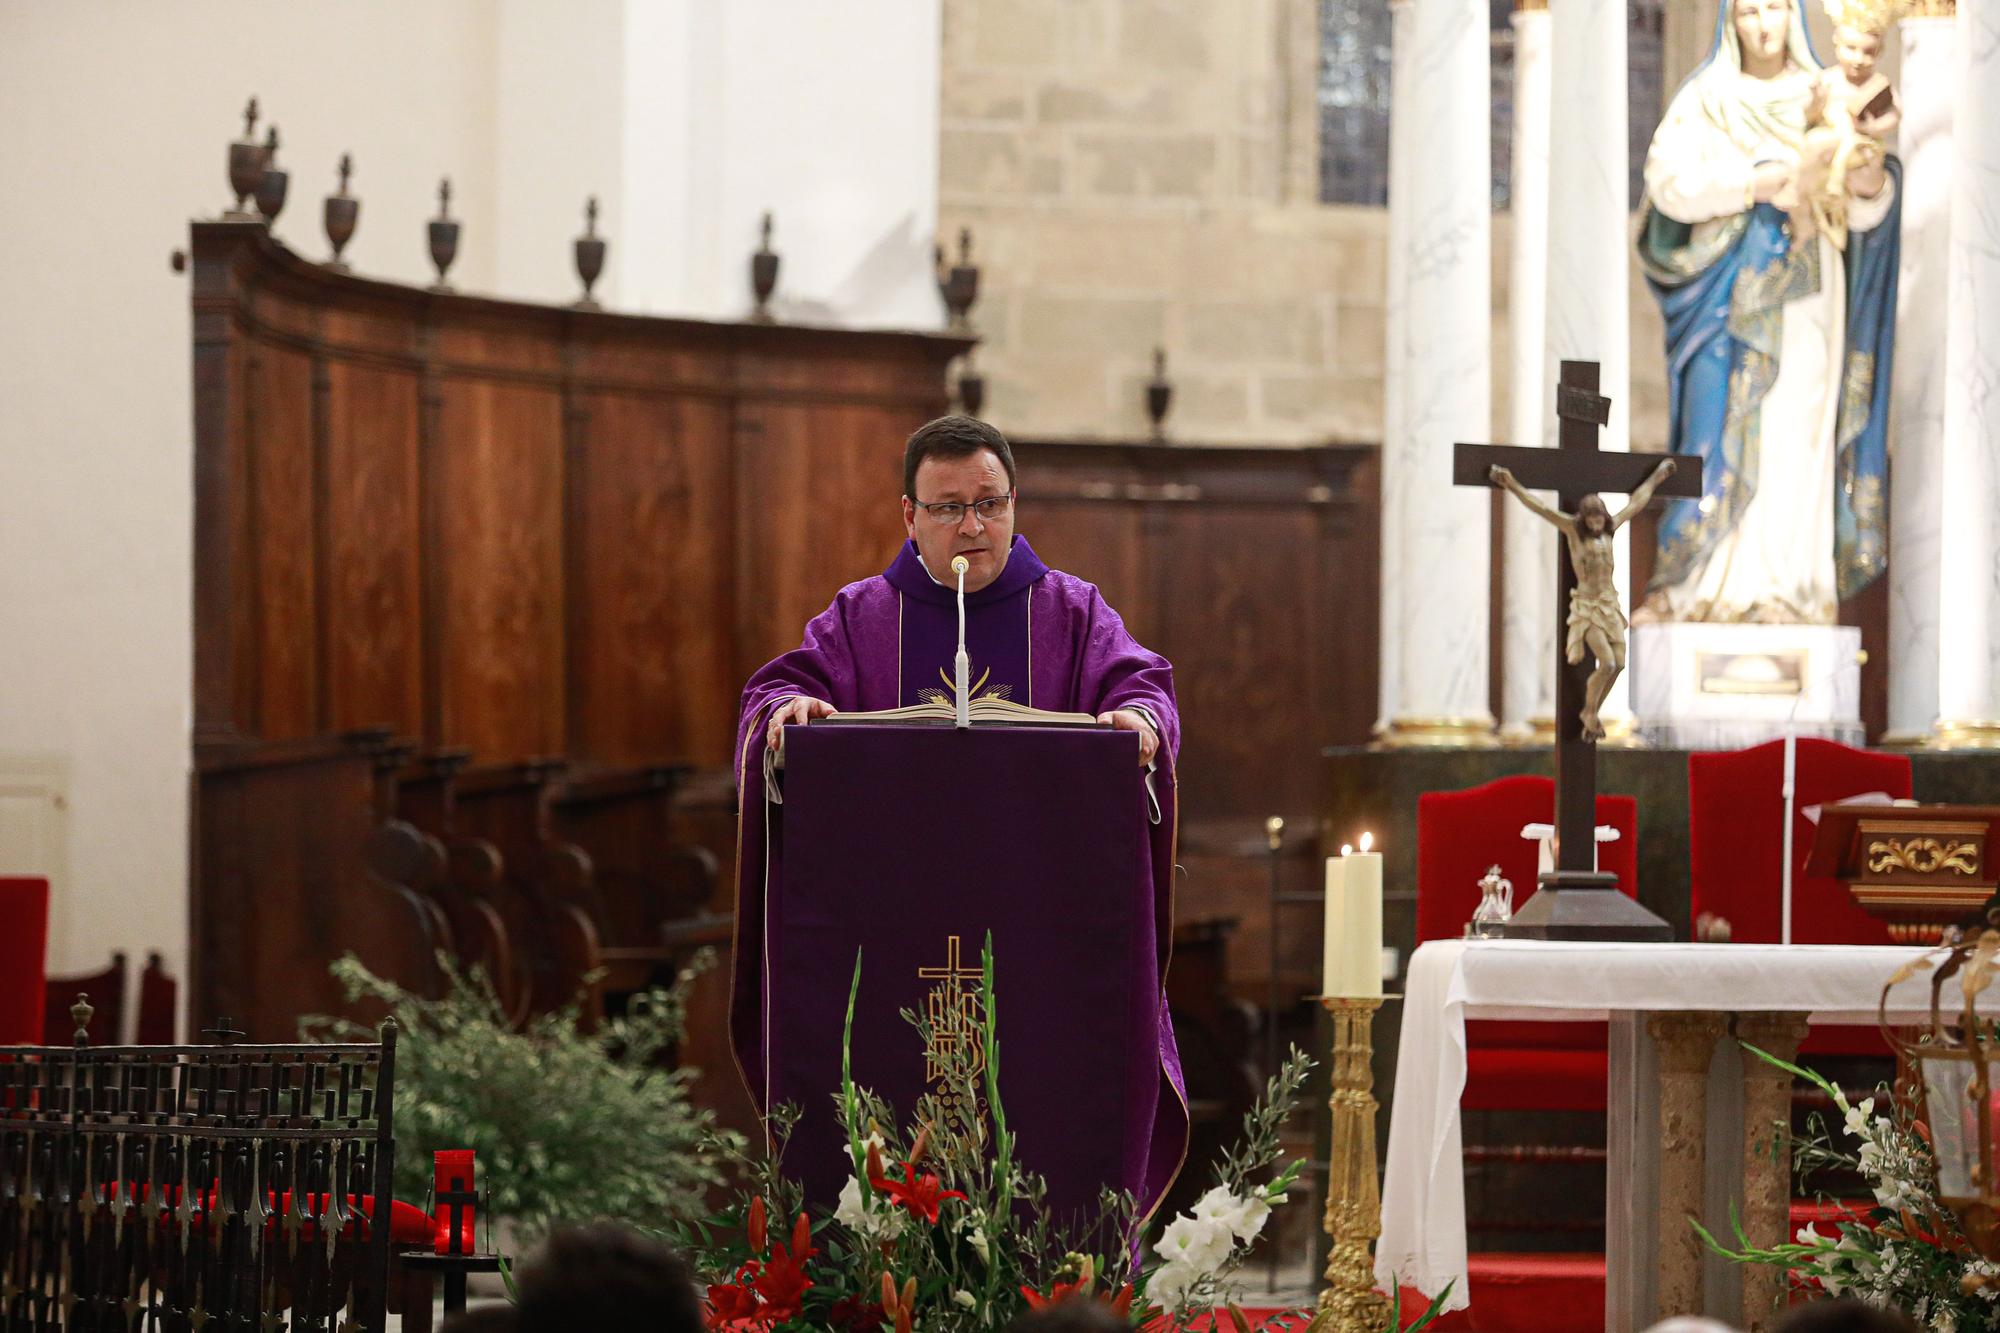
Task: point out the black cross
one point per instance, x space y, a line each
1573 470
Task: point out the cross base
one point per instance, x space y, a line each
1585 905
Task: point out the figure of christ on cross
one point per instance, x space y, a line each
1596 621
1593 625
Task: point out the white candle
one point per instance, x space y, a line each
1336 902
1361 924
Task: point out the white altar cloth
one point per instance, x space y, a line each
1423 1242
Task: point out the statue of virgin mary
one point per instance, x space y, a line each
1778 349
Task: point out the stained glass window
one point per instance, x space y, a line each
1354 96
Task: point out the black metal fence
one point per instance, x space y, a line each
200 1188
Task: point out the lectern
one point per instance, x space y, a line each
1920 868
909 845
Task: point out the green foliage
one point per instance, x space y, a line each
994 1246
569 1126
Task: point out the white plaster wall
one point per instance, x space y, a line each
116 117
825 114
558 139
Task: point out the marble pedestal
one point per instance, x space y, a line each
1721 687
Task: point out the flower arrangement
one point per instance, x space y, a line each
1906 1251
620 1139
941 1225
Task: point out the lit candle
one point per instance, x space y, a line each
1336 928
1361 923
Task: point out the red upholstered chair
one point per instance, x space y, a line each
24 939
1513 1066
1736 809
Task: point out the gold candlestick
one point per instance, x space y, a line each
1353 1195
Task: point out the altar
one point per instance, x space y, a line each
1687 1108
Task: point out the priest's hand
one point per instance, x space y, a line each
794 712
1127 719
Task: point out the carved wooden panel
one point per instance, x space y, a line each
517 527
652 529
280 466
372 642
1100 540
285 888
818 506
1254 572
498 467
1242 609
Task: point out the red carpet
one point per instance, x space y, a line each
1524 1293
1511 1293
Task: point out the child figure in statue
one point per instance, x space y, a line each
1854 109
1596 622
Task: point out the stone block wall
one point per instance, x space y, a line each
1141 173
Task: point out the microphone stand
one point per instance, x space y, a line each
961 665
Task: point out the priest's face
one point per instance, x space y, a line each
984 542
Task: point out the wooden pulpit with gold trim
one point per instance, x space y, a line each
1920 868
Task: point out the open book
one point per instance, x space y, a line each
987 711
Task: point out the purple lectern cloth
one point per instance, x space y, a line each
1038 835
879 645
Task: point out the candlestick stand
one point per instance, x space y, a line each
1353 1195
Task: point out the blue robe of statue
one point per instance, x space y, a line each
1778 355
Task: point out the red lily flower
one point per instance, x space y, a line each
754 1225
802 1246
782 1285
730 1304
1060 1292
921 1195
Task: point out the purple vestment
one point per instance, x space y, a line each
1035 635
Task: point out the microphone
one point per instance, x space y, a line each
961 665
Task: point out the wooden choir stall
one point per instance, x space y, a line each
476 586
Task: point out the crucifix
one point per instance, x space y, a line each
1591 628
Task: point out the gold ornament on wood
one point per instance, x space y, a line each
1923 856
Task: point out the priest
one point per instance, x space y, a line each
1035 635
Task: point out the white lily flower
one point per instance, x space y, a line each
872 1226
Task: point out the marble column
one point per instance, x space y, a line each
1589 314
1916 493
1395 359
1441 146
1527 611
1767 1156
1685 1043
1969 532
